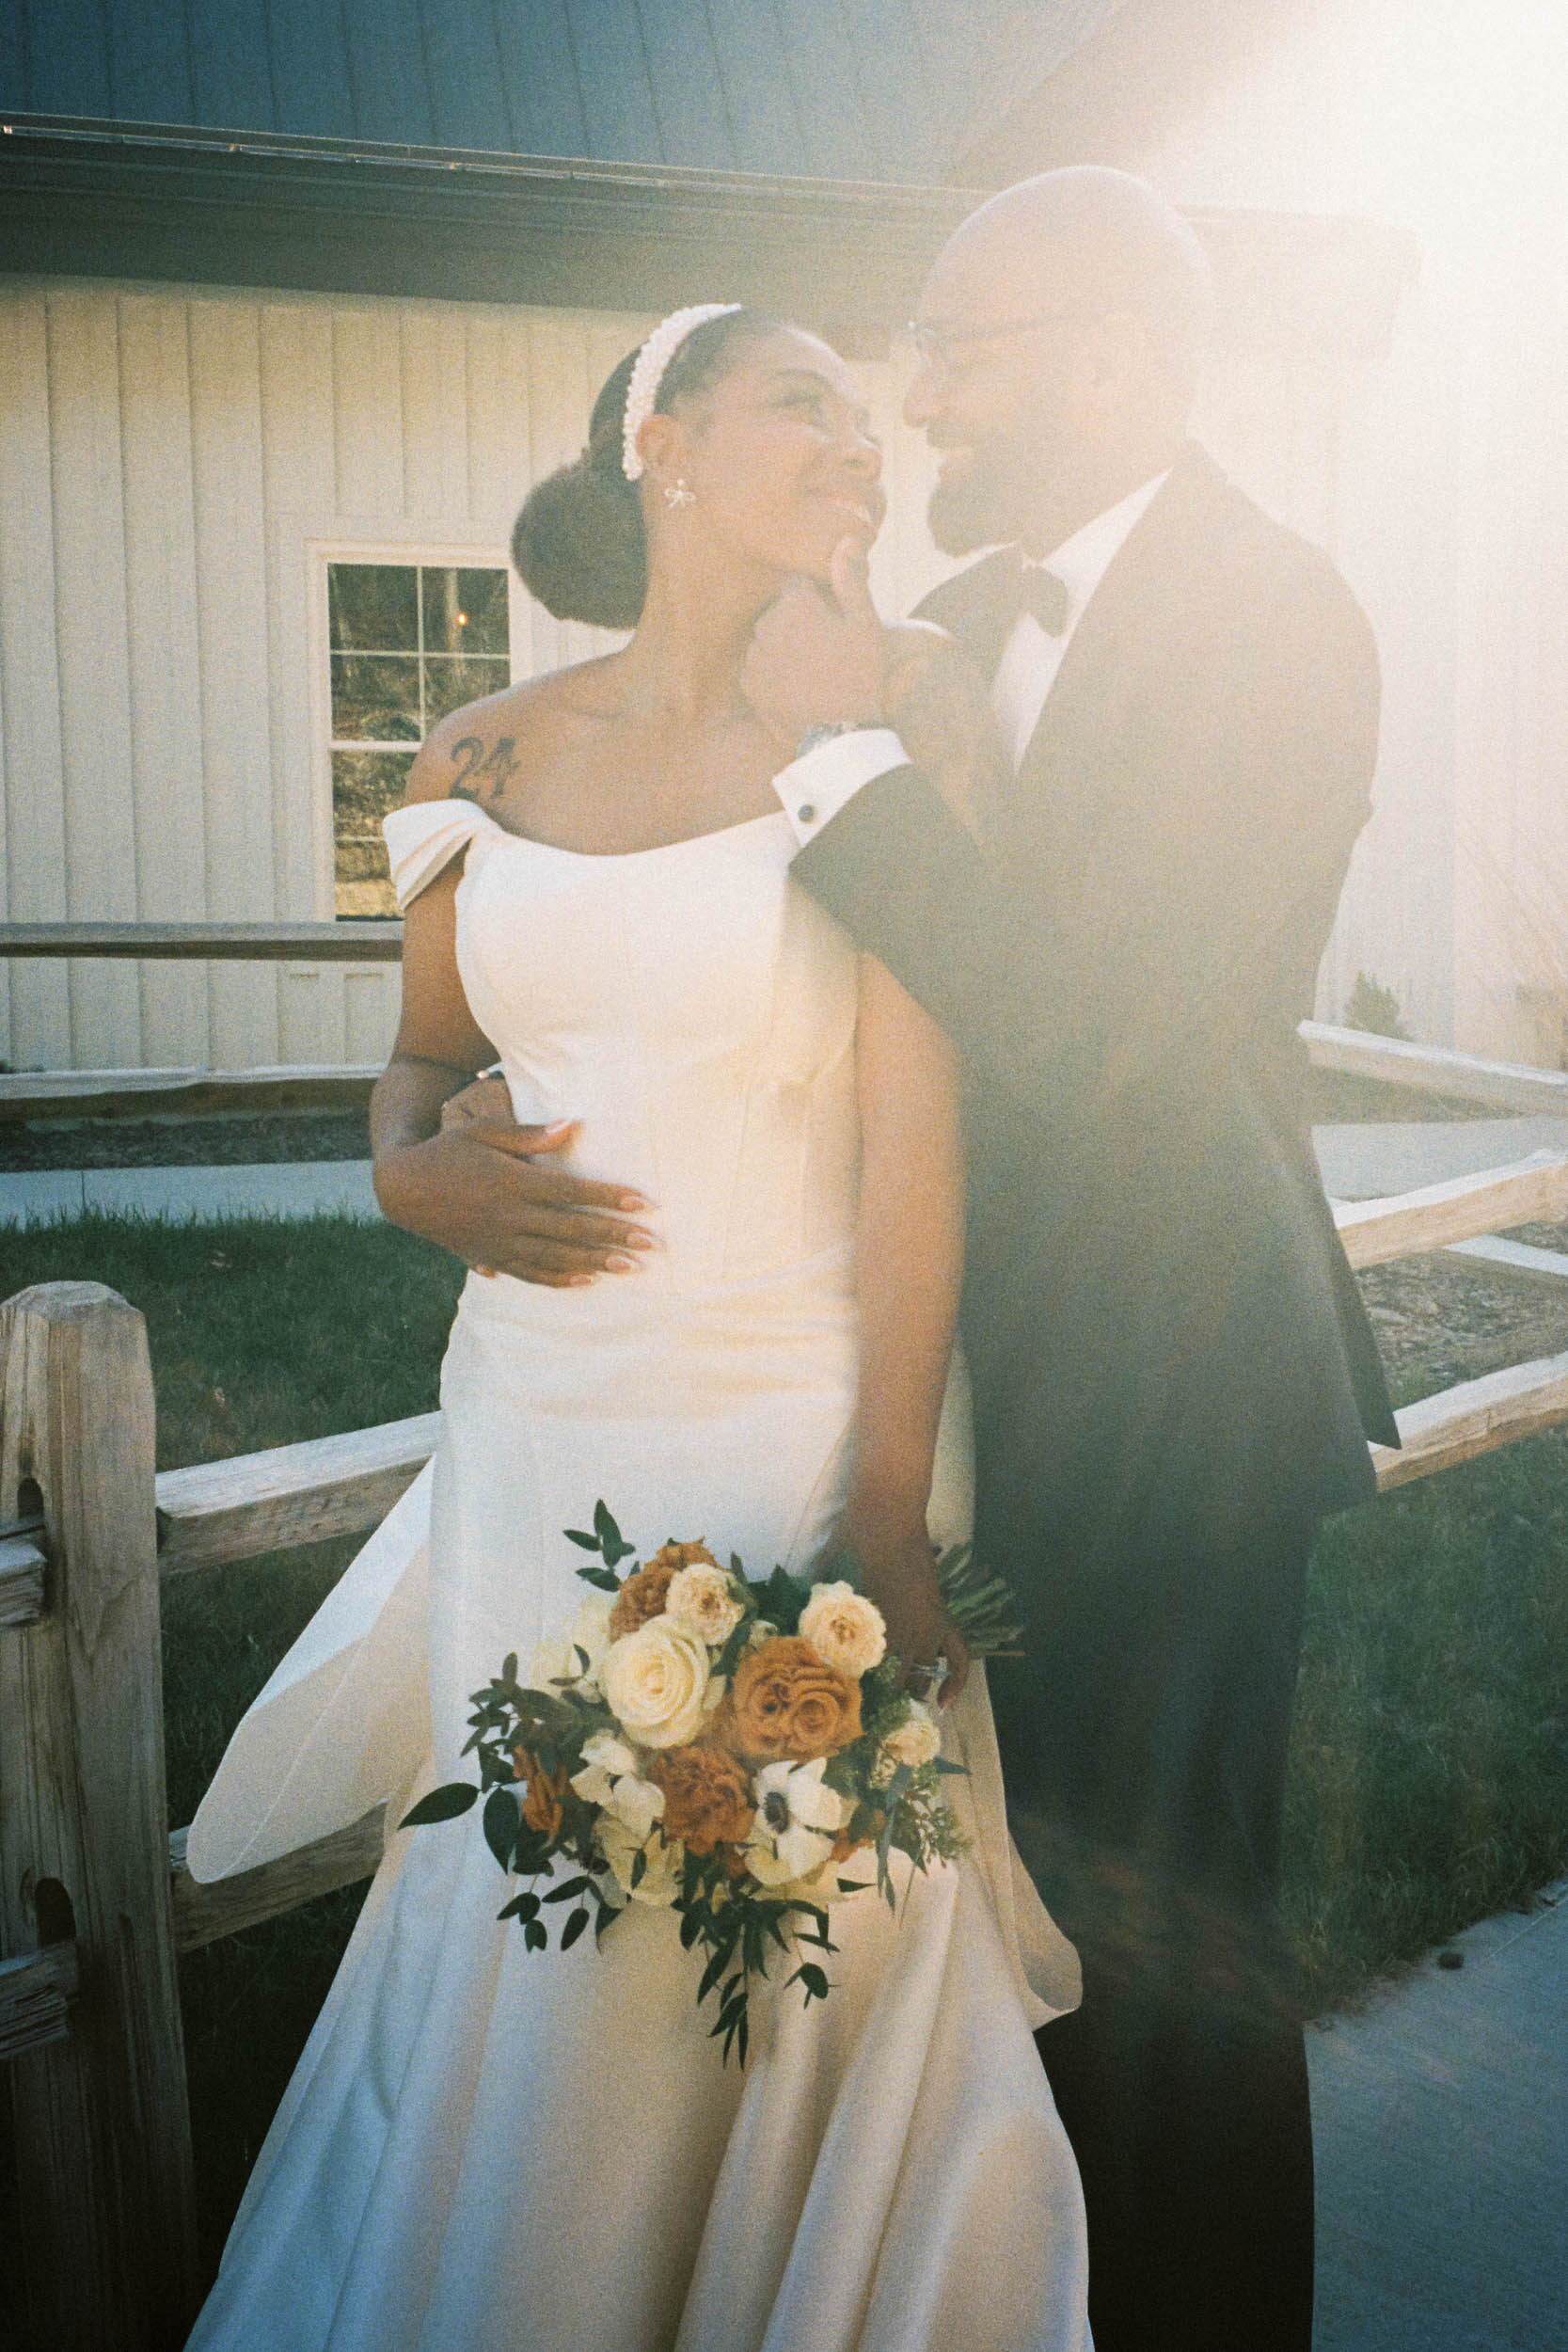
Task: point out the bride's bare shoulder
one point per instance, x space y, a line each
474 752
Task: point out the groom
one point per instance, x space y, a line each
1173 1376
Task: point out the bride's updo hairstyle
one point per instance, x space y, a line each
579 543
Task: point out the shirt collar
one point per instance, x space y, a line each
1082 562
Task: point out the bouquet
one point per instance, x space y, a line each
716 1746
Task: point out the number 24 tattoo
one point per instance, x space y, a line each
495 766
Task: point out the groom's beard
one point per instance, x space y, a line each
984 503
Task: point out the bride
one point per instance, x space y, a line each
485 2147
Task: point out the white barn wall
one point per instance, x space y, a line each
1449 485
176 466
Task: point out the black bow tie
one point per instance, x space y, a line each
1042 594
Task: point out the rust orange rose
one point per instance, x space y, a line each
543 1793
641 1597
708 1797
786 1702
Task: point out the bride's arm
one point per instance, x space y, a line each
909 1256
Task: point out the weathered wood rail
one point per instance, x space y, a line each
96 1902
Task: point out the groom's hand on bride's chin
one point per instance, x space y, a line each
819 654
485 1189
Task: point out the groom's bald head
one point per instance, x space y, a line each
1103 299
1095 237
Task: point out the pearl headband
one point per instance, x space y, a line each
648 373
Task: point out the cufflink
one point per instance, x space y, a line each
806 813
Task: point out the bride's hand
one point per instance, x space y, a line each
898 1571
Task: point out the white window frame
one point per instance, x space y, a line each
438 554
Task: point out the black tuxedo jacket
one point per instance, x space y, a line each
1165 1337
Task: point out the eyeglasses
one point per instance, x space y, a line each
934 347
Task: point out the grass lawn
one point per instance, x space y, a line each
1430 1770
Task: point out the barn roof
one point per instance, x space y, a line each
890 90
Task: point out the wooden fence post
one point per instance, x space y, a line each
103 2129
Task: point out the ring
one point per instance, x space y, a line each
934 1676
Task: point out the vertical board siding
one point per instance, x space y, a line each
434 421
231 529
92 646
29 681
163 617
299 478
367 385
176 471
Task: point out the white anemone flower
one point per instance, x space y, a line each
797 1818
558 1659
606 1761
659 1883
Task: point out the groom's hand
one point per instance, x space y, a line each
819 654
897 1565
485 1188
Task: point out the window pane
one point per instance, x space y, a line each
373 607
375 697
365 784
452 680
465 612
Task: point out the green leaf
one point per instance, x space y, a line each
580 1536
573 1928
580 1886
509 1672
781 1600
521 1907
612 1542
503 1818
602 1578
534 1936
814 1981
714 1970
441 1804
639 1867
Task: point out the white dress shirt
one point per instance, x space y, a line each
814 788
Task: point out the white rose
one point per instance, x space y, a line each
654 1681
915 1740
700 1598
660 1882
846 1629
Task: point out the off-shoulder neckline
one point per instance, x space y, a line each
596 857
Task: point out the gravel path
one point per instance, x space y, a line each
1440 1319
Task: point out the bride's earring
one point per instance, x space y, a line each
678 494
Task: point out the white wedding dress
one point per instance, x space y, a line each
488 2149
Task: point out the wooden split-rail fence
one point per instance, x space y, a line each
96 1905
